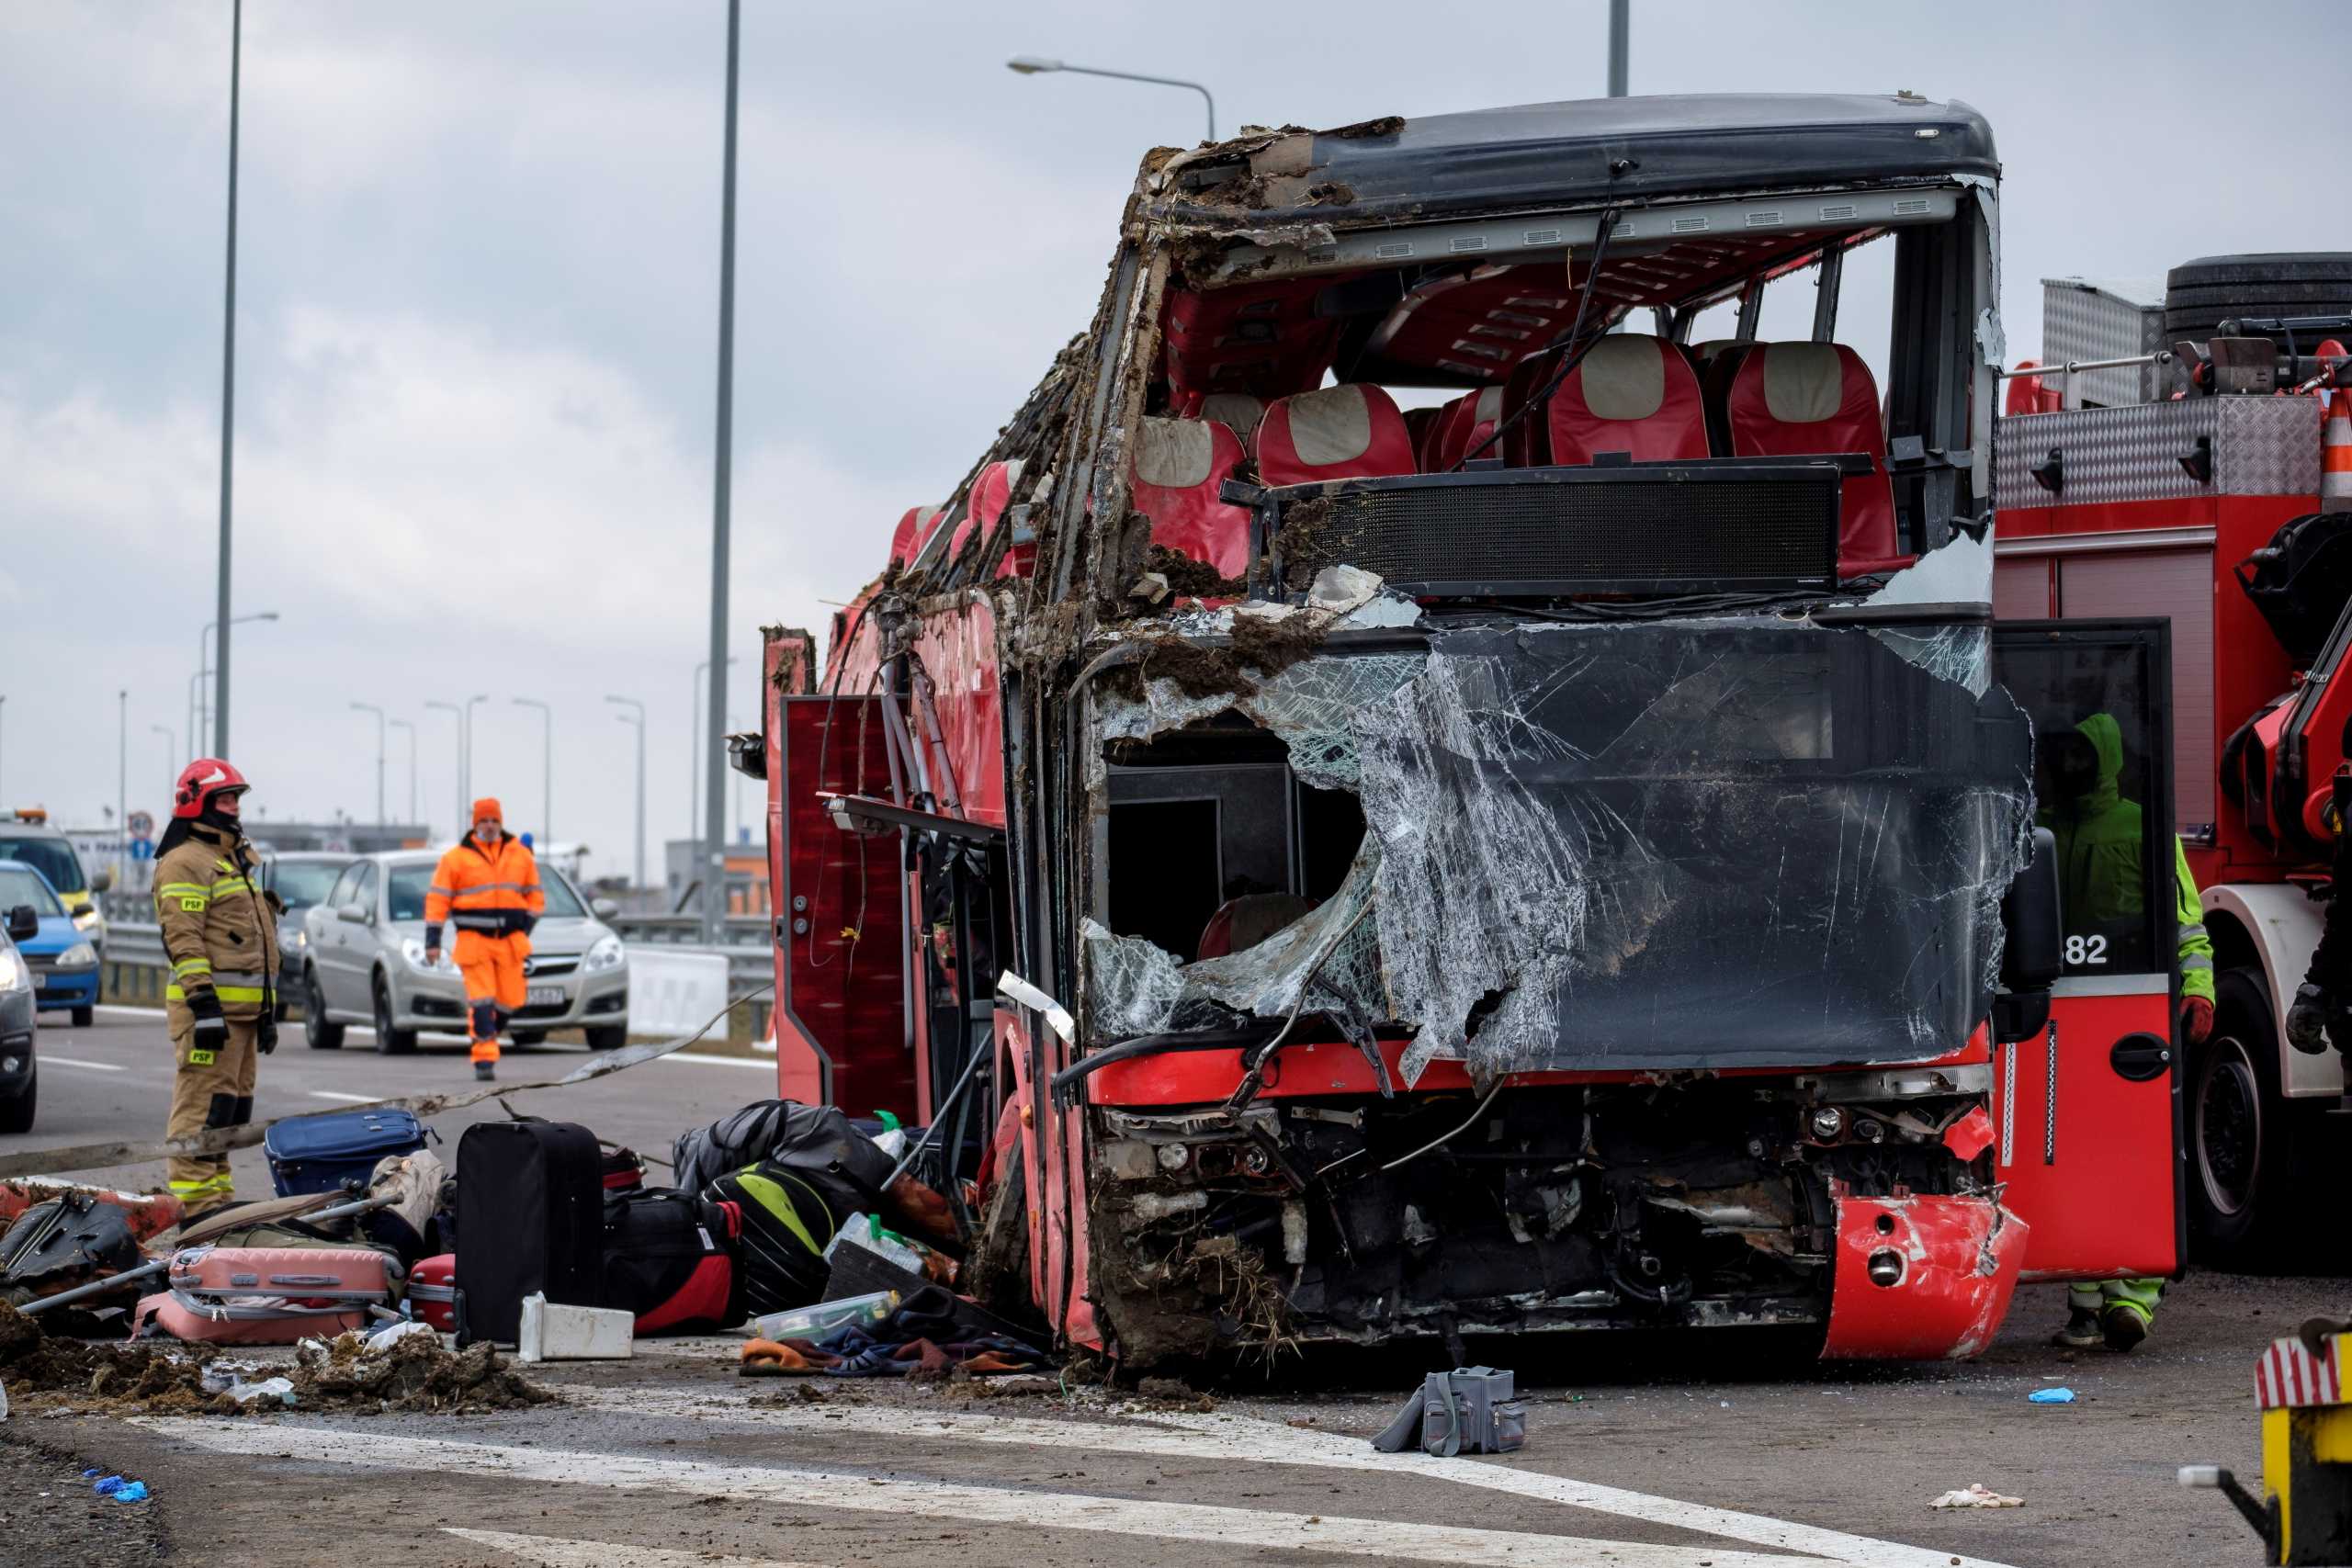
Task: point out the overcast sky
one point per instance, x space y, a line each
476 309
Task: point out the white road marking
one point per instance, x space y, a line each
768 1068
1246 1439
556 1553
856 1493
47 1058
348 1098
125 1010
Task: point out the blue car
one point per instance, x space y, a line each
63 962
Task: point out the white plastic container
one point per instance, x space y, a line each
860 1231
553 1331
816 1322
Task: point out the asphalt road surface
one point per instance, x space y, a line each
1642 1459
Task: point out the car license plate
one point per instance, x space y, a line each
541 996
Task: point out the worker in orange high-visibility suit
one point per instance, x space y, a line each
488 888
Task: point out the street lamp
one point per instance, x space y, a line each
228 386
1032 65
547 766
411 727
204 650
371 707
466 815
122 778
458 734
722 473
636 719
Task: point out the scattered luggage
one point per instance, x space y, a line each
669 1260
1470 1410
433 1292
624 1170
319 1154
150 1213
530 1218
817 1143
787 1225
69 1240
267 1295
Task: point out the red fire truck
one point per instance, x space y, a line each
2176 489
1440 778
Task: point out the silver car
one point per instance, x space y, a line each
363 961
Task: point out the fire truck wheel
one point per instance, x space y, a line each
2240 1135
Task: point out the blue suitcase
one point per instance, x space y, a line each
319 1154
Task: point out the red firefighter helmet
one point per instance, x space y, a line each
200 781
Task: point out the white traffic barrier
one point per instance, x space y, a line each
669 992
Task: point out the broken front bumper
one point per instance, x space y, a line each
1921 1278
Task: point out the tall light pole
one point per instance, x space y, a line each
636 719
4 711
693 747
228 381
205 648
714 892
547 766
1032 65
371 707
1618 26
411 727
458 737
122 777
467 813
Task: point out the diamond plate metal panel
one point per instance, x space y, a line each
2261 447
2082 320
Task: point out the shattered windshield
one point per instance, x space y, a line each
1738 840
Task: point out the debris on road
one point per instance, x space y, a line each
2051 1396
1975 1495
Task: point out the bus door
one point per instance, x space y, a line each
2087 1113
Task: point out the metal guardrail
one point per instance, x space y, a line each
741 931
136 946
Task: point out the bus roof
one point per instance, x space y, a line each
1593 150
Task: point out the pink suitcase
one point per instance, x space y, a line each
433 1292
267 1295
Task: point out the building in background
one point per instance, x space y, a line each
747 873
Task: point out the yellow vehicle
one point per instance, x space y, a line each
28 836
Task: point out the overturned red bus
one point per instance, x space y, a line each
1413 792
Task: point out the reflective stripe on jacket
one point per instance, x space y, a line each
490 892
220 933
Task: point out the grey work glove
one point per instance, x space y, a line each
2307 1019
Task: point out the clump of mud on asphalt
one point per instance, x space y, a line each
414 1374
167 1378
42 1372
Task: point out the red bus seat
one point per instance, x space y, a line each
1180 464
991 493
912 532
1469 420
1803 398
1242 923
1630 394
1237 412
1349 432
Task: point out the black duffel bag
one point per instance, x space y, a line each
815 1143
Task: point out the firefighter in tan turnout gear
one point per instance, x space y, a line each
221 938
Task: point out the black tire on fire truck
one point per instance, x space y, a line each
2241 1134
2202 294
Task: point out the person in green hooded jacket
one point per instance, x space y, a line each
2103 897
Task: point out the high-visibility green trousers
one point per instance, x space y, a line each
2135 1295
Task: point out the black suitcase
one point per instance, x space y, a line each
530 1217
